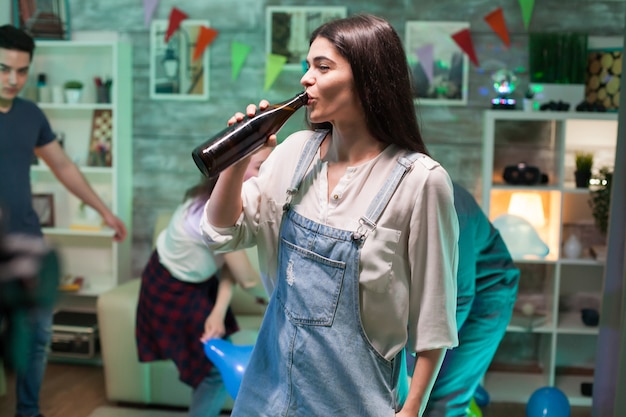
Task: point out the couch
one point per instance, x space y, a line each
155 383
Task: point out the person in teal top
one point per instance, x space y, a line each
487 281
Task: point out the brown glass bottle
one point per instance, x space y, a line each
241 139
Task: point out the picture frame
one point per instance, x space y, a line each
173 73
440 73
289 29
43 204
43 19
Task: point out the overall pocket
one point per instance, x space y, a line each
308 285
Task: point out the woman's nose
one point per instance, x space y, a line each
306 79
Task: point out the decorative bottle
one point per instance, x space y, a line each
241 139
43 91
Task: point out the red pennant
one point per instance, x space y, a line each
205 37
176 17
497 23
463 38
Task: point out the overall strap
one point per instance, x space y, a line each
367 223
306 157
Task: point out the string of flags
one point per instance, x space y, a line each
275 63
239 51
463 38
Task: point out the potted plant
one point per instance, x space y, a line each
584 162
73 91
600 199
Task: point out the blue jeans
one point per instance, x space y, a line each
28 383
208 397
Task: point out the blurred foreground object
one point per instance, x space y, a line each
29 276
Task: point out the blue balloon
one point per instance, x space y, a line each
231 360
481 396
548 402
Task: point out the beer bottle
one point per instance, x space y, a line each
243 138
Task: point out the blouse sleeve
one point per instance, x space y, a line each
433 243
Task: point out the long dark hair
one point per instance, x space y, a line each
202 190
381 77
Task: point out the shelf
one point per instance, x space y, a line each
582 262
570 385
563 348
74 107
571 323
548 115
64 231
89 252
56 358
513 386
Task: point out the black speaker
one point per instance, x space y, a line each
522 174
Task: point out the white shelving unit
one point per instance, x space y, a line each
90 253
560 351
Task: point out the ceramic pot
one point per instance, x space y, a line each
572 248
582 178
72 95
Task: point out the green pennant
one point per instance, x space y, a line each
527 11
238 54
273 68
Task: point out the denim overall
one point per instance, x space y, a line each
312 357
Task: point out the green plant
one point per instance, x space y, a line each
73 84
584 161
600 200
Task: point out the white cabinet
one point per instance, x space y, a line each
86 249
555 348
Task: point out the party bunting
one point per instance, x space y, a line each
463 38
495 19
527 11
273 68
149 6
176 17
238 54
205 37
425 57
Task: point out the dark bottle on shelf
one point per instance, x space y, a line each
241 139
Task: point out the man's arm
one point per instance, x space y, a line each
70 176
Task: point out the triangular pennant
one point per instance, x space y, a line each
495 19
149 6
205 37
273 68
463 38
527 11
425 57
176 17
238 54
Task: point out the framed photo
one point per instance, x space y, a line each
43 204
43 19
439 67
173 73
289 29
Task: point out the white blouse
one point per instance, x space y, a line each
408 263
182 250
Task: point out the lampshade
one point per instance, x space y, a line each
529 206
